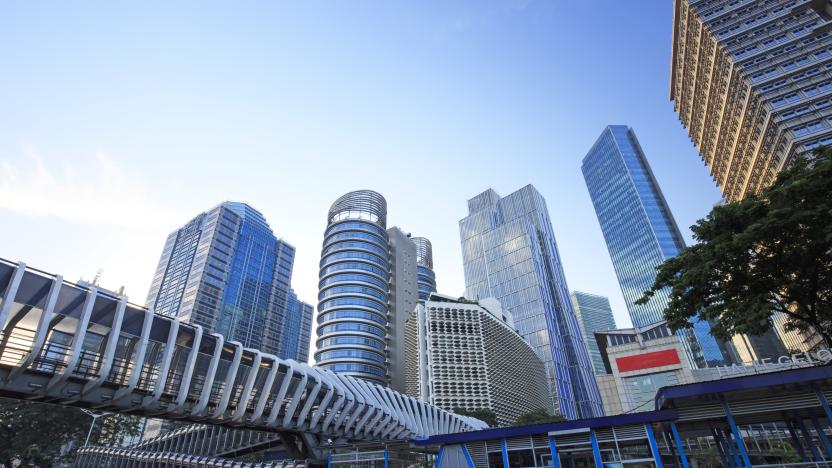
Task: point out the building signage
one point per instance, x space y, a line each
808 359
667 357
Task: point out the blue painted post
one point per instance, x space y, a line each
736 461
439 458
386 457
505 454
720 447
822 436
736 433
553 448
596 452
796 440
679 447
825 404
329 461
657 457
467 456
810 441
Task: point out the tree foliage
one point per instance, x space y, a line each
768 252
37 434
483 414
537 416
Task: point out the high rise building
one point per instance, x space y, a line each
404 294
594 315
298 317
226 271
751 82
509 253
750 348
368 288
640 232
795 340
467 355
425 277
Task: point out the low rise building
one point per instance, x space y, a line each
639 361
468 355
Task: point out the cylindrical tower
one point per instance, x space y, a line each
425 278
353 296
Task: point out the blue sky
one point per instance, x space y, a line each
121 121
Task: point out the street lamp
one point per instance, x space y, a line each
94 417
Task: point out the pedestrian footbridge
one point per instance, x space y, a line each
71 344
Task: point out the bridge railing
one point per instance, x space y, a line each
94 457
79 345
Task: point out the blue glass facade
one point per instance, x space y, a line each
298 317
354 293
594 314
639 230
226 271
509 253
425 277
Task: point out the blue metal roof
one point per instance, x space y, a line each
747 382
504 432
805 376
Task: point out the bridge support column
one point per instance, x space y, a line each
554 449
740 444
822 436
596 452
654 447
679 447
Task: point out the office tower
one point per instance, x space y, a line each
594 315
640 232
367 290
404 294
462 354
226 271
509 253
750 81
298 318
425 277
750 348
795 340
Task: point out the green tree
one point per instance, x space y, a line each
117 429
768 252
34 434
483 414
537 416
784 451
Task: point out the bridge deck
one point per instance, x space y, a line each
68 344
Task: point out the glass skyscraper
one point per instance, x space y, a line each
640 232
226 271
594 314
367 289
298 317
425 277
509 253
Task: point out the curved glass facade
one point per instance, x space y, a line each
354 288
425 277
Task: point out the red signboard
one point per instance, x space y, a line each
648 360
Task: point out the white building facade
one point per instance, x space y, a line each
468 355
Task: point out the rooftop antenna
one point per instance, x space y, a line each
97 278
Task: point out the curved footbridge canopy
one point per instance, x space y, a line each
75 344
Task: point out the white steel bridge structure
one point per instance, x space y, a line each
78 345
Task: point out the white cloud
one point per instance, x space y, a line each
93 190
